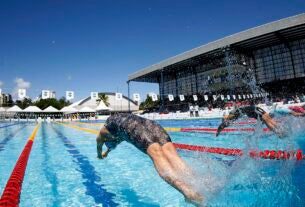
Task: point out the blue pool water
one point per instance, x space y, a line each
63 169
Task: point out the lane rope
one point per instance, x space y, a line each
212 130
263 154
190 129
11 194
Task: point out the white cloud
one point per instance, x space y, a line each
1 84
20 83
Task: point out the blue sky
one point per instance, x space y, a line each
93 45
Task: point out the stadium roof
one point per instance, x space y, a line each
262 36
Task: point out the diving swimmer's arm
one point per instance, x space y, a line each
226 122
223 125
100 140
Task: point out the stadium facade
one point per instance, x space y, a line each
272 56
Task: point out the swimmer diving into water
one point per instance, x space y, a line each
150 138
251 111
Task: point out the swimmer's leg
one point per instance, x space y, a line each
272 125
174 159
165 170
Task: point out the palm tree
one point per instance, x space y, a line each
103 97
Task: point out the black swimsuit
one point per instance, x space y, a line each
139 131
251 111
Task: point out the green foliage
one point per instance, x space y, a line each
149 104
58 104
103 97
24 103
43 103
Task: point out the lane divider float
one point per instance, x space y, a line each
264 154
11 194
212 130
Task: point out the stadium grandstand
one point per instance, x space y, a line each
271 56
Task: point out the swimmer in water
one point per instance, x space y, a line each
150 138
291 110
251 111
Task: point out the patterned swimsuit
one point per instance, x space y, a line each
136 130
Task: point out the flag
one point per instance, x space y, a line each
69 95
154 97
94 95
206 97
214 97
118 96
21 93
170 97
45 94
136 97
195 97
181 97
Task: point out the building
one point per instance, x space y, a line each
271 56
6 100
113 105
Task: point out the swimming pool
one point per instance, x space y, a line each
63 169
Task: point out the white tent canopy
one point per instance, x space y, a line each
51 109
14 109
86 109
2 109
69 109
32 109
76 103
102 107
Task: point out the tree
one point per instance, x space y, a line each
103 97
58 104
149 104
24 103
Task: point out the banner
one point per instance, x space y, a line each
214 97
21 93
248 96
118 96
239 96
222 97
234 97
45 94
154 97
206 97
195 97
69 95
244 96
94 95
136 97
181 97
170 97
228 97
251 96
